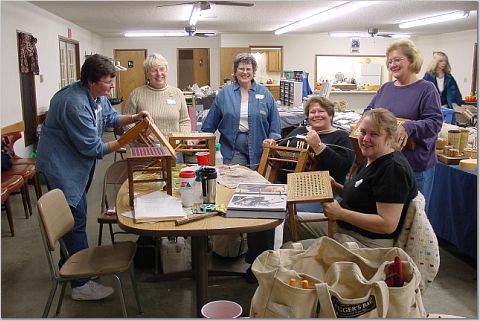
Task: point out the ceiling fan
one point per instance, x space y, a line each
192 32
205 5
373 32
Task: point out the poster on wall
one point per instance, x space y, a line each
355 45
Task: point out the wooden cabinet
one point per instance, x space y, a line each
275 90
274 60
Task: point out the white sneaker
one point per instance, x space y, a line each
91 291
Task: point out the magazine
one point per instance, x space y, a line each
258 201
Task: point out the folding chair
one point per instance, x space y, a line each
56 220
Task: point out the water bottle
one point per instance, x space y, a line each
218 155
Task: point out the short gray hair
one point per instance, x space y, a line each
244 57
155 60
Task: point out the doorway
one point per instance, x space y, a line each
193 67
134 76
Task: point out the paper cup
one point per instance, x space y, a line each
222 309
203 158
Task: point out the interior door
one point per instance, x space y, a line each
201 66
134 76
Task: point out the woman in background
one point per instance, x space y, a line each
166 104
439 73
245 114
417 100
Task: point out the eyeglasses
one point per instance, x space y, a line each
395 61
157 70
245 69
111 82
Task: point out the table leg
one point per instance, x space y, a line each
200 268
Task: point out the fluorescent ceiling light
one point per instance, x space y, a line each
157 34
364 35
195 14
435 19
328 14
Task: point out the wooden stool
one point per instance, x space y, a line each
307 187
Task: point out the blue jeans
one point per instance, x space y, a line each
240 153
425 183
76 239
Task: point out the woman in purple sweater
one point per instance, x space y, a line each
416 99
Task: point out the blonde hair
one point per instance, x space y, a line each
437 56
384 119
409 50
154 60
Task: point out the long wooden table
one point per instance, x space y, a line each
198 231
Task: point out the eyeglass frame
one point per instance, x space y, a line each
395 60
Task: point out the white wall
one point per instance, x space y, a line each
458 46
167 47
24 17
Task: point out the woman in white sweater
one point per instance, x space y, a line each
166 104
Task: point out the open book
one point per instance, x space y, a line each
157 206
258 201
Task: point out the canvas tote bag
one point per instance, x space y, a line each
342 281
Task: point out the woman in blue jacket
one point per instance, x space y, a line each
245 114
439 74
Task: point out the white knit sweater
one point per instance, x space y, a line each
167 106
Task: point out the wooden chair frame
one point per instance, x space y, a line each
307 187
160 163
274 156
179 140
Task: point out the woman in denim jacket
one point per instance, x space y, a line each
245 114
439 73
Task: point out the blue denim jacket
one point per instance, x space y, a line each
70 139
263 120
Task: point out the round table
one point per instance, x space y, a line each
198 231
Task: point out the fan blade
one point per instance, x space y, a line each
175 4
204 34
384 35
232 3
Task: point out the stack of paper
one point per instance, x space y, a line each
157 206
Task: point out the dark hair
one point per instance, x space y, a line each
245 58
96 67
325 103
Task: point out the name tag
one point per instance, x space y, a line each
171 102
259 96
357 183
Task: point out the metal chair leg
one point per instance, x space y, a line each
50 299
112 236
135 288
120 294
60 299
100 232
8 210
27 196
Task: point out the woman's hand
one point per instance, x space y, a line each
140 116
332 210
314 141
269 142
402 136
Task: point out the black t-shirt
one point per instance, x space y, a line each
337 157
389 179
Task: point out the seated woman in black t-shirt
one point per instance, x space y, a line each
375 201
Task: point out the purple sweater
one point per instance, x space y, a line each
420 102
